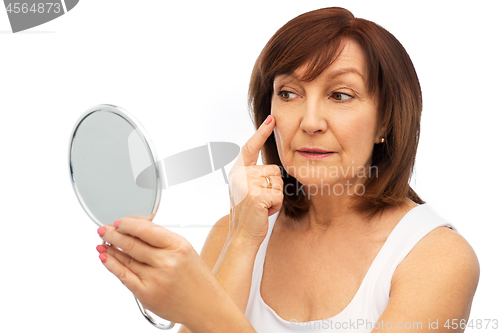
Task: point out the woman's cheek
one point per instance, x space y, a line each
283 141
279 142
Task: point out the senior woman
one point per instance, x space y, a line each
327 234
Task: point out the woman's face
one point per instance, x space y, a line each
334 113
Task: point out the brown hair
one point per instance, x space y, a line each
314 38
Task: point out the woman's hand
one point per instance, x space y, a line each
163 271
251 201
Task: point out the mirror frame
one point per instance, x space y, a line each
144 136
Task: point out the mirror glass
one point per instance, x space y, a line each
113 169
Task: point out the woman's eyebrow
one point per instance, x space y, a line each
283 79
332 75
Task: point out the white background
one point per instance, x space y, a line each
183 71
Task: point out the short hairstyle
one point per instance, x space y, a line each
314 38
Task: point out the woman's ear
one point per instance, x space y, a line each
381 133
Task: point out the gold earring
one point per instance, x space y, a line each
382 140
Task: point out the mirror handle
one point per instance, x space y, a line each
151 320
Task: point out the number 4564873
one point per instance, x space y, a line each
473 324
36 8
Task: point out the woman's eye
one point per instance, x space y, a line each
286 94
340 96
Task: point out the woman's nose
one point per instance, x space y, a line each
313 119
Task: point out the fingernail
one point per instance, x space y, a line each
101 249
268 120
101 231
116 223
103 257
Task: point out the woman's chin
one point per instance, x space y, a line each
317 181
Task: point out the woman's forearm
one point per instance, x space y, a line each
229 320
222 315
234 270
232 321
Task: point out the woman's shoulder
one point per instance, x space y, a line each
442 239
442 251
437 279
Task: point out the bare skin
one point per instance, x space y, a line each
339 261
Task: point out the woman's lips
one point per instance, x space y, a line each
315 156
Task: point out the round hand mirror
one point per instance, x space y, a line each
114 170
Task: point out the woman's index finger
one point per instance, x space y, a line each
147 231
250 151
150 217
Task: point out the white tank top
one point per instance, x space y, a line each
362 313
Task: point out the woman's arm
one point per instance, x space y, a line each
231 265
157 264
252 201
234 269
233 243
432 289
225 317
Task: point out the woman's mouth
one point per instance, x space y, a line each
315 155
